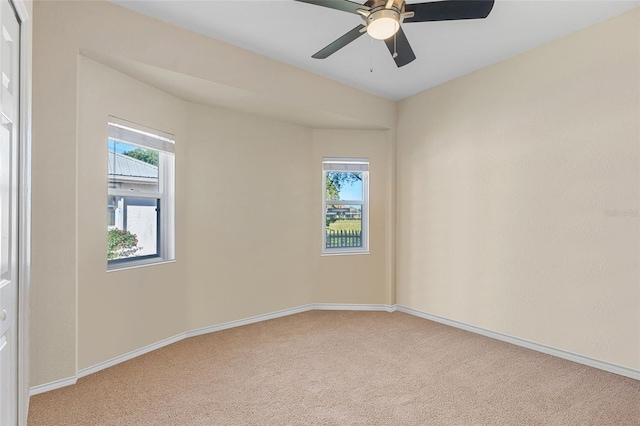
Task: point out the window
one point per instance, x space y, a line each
140 195
345 210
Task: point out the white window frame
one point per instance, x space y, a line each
343 164
143 137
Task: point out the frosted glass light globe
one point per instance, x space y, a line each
383 24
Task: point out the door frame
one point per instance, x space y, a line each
24 208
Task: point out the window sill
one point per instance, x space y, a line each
137 264
343 253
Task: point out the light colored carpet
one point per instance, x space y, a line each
343 368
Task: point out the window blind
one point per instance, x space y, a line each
345 164
125 134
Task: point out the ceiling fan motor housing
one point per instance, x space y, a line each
375 4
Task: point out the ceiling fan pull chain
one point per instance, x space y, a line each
371 53
395 49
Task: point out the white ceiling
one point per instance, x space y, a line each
291 32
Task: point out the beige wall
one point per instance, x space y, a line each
81 315
124 310
354 278
53 197
254 217
248 210
504 179
237 74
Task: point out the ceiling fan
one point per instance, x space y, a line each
382 19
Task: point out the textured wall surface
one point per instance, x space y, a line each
53 250
69 282
509 180
121 311
517 192
355 278
249 229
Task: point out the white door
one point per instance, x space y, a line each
9 112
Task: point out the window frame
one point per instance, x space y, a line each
140 136
346 164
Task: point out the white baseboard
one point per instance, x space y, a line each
352 307
603 365
291 311
571 356
250 320
129 355
34 390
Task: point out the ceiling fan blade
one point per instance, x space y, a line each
340 43
402 48
344 5
449 10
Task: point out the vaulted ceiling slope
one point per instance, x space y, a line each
291 32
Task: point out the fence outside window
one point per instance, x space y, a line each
343 238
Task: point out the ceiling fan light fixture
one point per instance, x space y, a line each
383 24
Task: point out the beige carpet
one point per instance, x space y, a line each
343 368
